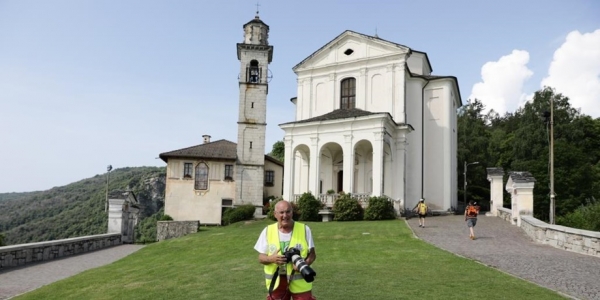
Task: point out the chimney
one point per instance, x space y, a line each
206 138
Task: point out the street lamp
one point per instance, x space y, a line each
465 174
108 169
550 122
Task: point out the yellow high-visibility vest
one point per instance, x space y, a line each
298 240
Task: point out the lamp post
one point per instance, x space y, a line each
108 169
552 195
465 175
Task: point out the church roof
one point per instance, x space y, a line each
256 20
350 32
217 150
434 77
339 114
221 149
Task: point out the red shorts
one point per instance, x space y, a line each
282 293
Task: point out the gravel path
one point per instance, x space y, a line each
506 247
16 281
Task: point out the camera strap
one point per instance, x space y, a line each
275 279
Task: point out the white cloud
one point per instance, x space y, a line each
575 71
502 86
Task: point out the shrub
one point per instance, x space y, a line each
240 213
585 217
166 218
308 207
271 214
1 240
347 208
267 204
380 208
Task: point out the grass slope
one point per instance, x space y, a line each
355 260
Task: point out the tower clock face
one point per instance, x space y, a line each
269 75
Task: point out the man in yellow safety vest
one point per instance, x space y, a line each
283 280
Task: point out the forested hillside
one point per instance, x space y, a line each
77 209
519 141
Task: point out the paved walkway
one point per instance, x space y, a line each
16 281
506 247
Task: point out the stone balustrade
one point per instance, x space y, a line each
571 239
504 214
18 255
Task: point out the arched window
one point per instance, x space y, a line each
201 178
253 72
348 93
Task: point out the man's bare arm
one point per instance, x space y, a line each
271 259
312 256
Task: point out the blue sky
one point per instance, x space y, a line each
85 84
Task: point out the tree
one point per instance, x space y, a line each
1 240
278 151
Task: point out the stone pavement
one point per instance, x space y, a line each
16 281
506 247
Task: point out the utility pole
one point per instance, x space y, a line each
108 169
552 195
465 175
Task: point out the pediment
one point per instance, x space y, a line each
348 47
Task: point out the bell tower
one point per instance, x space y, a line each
254 54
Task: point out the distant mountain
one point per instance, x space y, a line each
77 209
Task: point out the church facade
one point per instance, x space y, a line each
372 120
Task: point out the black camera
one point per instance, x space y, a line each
293 255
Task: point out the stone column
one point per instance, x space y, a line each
288 170
313 169
348 164
377 164
495 177
116 215
123 213
520 187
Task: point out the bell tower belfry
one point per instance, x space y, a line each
254 54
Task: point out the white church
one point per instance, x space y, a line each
370 120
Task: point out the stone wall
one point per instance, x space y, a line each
505 214
571 239
173 229
18 255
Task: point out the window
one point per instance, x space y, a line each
269 178
253 72
201 177
348 97
228 172
187 170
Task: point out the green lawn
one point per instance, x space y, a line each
355 260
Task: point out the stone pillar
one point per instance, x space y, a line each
313 169
495 177
348 164
123 215
288 170
520 187
378 164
